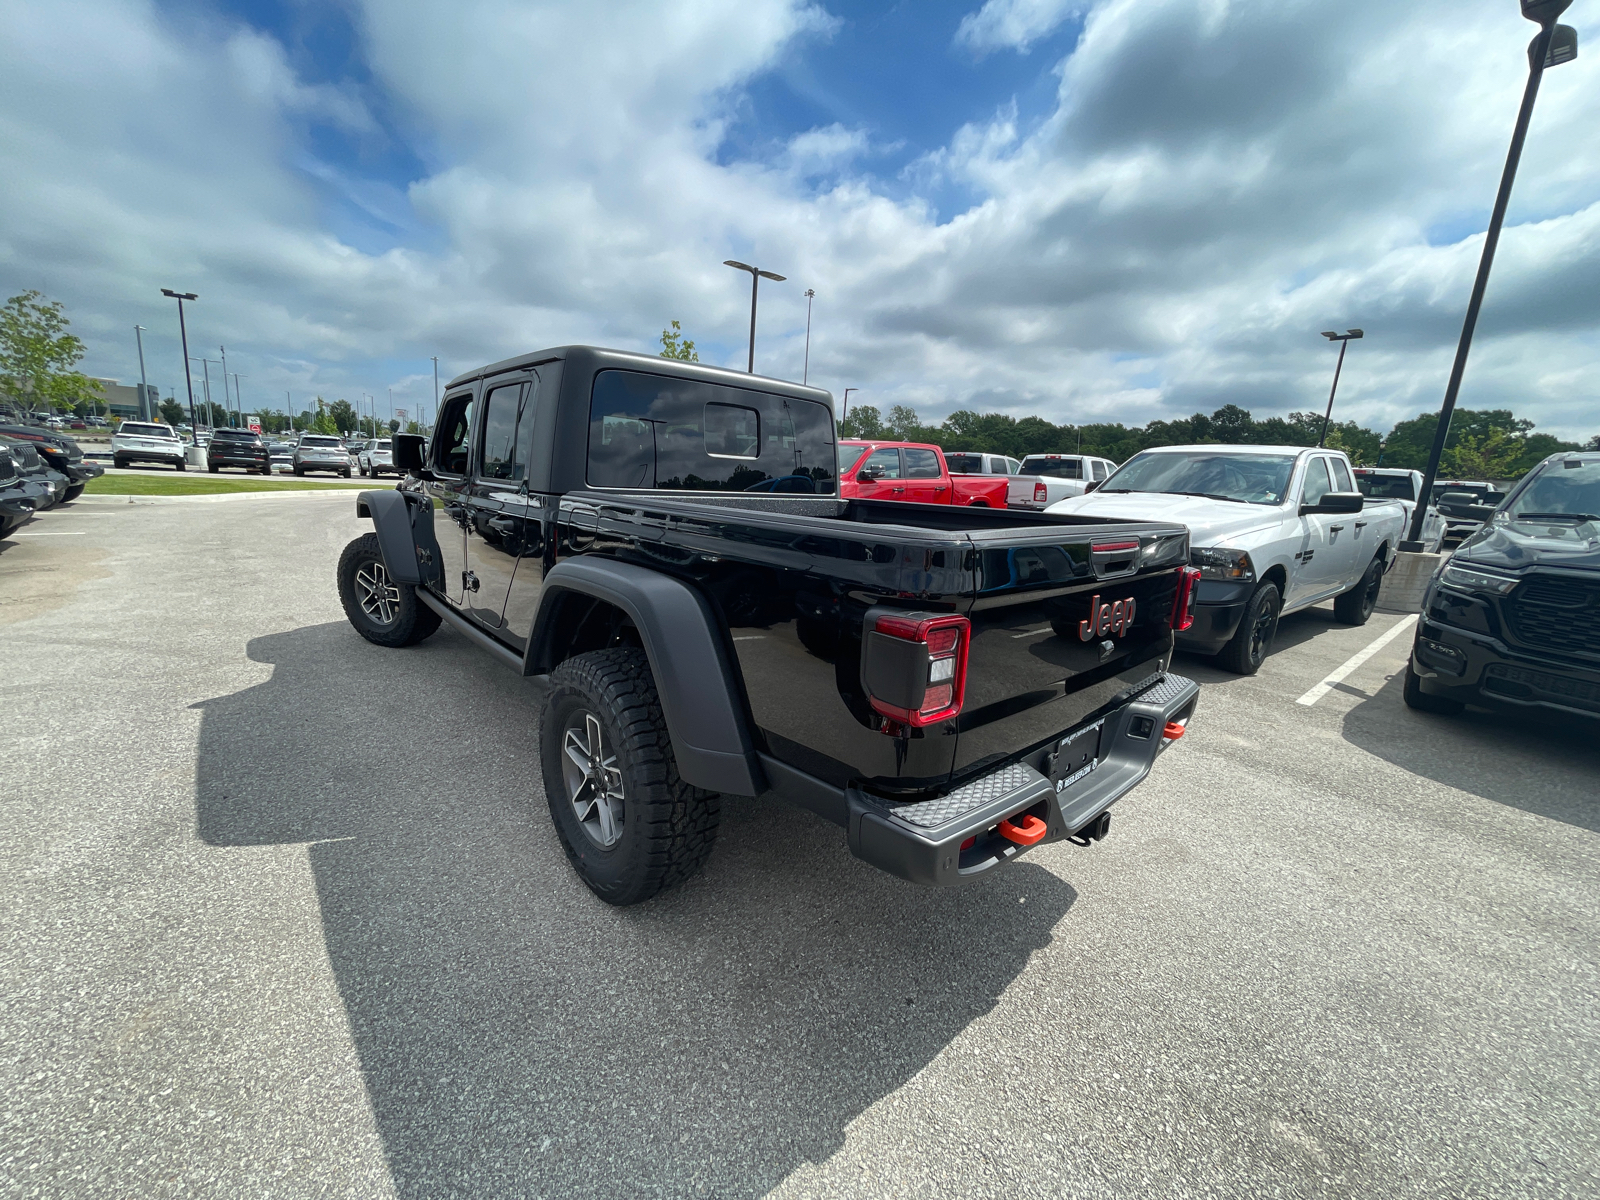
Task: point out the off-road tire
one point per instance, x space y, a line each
1355 606
1411 691
668 827
1250 645
413 620
73 492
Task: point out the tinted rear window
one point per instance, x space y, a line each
964 464
132 430
320 441
1058 468
658 431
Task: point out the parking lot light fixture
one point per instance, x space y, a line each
1551 46
756 276
846 411
1344 339
805 371
183 334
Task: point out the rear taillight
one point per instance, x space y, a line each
1040 493
1183 598
914 666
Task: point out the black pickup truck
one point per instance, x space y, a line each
949 685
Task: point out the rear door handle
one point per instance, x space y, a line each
1361 524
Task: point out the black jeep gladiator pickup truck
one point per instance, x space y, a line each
949 685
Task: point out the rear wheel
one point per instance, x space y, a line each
266 467
629 824
215 468
1249 647
1411 691
384 612
1356 605
119 462
181 464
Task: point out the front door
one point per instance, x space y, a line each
449 488
1324 541
498 505
884 464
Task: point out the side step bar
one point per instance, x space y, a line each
470 631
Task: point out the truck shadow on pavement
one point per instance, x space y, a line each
517 1036
1541 763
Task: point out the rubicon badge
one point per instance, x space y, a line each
1116 618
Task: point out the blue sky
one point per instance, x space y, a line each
1109 209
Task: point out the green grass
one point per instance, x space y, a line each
174 483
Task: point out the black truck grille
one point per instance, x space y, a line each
1558 613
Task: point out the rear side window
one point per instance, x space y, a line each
1341 476
922 464
1099 468
503 415
656 431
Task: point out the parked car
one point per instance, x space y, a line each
32 466
914 472
968 462
142 441
238 448
20 495
589 514
280 457
1464 503
319 452
61 453
1274 529
1509 619
1046 479
1394 483
376 457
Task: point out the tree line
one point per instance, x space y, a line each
1488 444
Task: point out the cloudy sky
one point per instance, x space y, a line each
1120 209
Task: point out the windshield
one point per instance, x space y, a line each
1056 468
319 441
1248 478
1386 487
129 429
848 455
1570 488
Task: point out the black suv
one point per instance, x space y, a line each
1513 617
60 453
238 448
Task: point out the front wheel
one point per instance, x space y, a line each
1355 606
181 464
1249 647
629 824
73 492
119 462
384 612
1411 692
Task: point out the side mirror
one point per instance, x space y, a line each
866 477
1091 485
1336 502
408 451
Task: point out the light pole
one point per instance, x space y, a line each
236 399
205 379
435 383
756 276
1344 339
846 411
805 375
1551 46
183 333
144 384
225 408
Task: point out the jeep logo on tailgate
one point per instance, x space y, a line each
1116 617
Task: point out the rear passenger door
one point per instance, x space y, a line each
498 507
925 478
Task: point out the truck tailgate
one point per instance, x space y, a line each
1052 643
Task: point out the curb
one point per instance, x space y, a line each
349 493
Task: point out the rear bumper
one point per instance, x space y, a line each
1475 668
925 842
254 461
166 456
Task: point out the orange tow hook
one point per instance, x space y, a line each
1026 834
1173 731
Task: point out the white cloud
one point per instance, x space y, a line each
1014 24
1218 182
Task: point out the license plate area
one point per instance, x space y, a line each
1075 757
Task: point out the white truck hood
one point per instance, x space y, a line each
1210 522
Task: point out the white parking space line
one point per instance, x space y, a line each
53 533
1355 660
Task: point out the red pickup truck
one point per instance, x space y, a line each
911 471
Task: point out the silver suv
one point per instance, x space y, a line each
320 452
377 456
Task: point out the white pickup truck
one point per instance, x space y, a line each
1272 529
1396 483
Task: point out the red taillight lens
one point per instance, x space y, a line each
938 688
1183 598
1040 493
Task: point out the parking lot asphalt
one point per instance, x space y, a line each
284 916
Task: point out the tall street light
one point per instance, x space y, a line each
805 375
1551 46
1344 339
144 384
846 411
226 408
756 276
435 383
183 333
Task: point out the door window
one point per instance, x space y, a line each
502 415
1317 485
455 428
922 464
1099 468
884 464
1341 476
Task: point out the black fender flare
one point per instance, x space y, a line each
700 696
405 535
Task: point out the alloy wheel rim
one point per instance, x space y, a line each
379 598
1370 600
594 781
1261 631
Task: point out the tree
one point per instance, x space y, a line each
172 412
863 421
1491 455
37 355
343 415
1593 443
675 345
394 426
